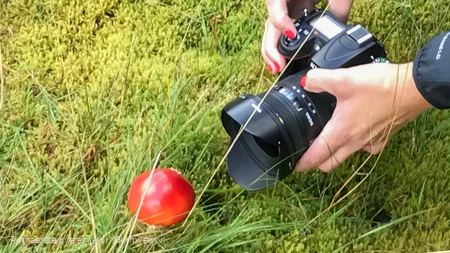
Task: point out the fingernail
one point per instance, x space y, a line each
269 68
303 81
290 34
277 67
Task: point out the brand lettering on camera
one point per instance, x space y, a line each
256 108
311 123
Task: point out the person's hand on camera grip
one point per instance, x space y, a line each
370 99
281 13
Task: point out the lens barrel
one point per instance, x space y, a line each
279 132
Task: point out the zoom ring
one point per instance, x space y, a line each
280 126
289 120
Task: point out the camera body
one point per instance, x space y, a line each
286 119
320 34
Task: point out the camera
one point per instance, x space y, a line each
286 119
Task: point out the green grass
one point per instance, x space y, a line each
93 91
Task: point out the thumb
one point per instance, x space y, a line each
333 81
279 17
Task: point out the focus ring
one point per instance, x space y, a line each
290 121
281 126
275 106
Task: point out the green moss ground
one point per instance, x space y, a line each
92 91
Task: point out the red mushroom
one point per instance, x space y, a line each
167 201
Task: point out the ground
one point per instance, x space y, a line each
93 91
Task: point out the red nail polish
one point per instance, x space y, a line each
289 34
277 67
269 68
303 81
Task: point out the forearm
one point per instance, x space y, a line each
407 95
431 71
341 9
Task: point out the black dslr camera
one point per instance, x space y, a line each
287 121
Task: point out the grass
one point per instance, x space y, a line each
94 93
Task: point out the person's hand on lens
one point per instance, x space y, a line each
374 101
281 13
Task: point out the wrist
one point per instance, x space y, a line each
406 92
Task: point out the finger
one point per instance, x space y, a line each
334 81
372 149
340 9
376 146
337 158
270 66
296 7
271 47
326 144
279 17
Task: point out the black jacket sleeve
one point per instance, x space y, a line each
431 71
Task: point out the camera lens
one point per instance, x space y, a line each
268 148
279 132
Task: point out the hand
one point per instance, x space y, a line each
280 14
374 101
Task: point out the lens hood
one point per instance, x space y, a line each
256 155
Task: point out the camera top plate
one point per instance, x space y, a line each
354 46
314 30
328 43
